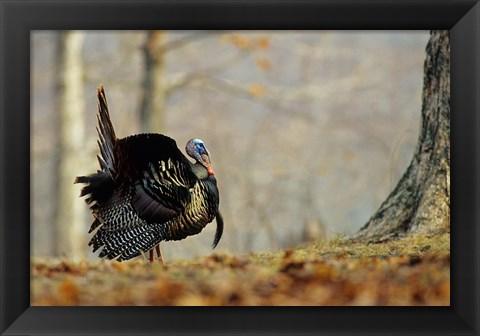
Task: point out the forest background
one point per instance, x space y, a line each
309 131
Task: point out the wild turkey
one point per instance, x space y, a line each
147 191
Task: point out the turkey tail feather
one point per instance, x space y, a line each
106 134
99 187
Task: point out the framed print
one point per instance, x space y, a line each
243 77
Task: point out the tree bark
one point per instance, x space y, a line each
70 228
152 109
420 203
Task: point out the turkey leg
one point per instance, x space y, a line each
150 256
159 254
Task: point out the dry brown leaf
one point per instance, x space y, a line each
68 293
241 42
256 90
263 63
263 43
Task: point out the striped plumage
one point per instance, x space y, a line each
147 191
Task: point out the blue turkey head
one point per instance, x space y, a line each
196 149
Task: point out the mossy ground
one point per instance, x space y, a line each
411 271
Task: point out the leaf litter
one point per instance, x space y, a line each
411 271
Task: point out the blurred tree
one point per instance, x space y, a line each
154 91
70 92
420 203
156 87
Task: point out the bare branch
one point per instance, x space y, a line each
181 80
182 41
273 102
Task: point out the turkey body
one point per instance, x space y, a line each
147 191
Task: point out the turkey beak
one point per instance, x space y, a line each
207 163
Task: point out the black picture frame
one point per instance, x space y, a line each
18 17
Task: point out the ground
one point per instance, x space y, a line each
411 271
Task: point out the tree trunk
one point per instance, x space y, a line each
420 203
70 228
154 91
